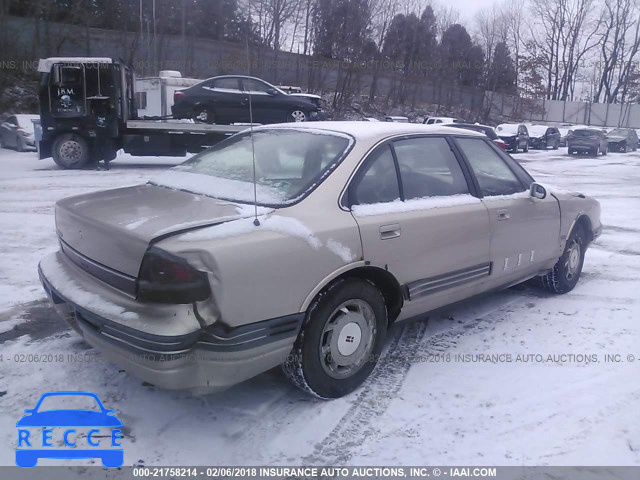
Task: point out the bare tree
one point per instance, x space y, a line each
564 32
619 43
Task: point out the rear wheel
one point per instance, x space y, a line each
20 144
604 152
566 272
70 151
297 115
203 114
526 147
341 340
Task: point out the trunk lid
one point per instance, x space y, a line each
114 227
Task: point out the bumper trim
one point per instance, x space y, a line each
217 337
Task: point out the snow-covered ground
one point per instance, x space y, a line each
417 408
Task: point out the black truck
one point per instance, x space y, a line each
88 112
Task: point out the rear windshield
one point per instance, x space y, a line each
507 129
585 133
488 131
621 132
289 163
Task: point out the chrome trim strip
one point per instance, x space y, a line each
441 282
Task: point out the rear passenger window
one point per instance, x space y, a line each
379 183
428 168
226 84
493 174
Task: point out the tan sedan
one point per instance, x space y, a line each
187 284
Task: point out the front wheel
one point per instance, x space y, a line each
341 340
566 272
297 116
70 151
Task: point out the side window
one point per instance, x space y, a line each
493 174
12 121
226 84
254 86
379 181
428 168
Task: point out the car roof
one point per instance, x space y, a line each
375 130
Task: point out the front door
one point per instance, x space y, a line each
525 231
418 221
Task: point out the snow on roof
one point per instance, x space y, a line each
372 130
45 64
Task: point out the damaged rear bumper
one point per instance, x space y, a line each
197 359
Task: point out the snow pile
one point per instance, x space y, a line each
426 203
217 187
341 250
78 294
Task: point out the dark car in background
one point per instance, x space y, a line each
587 140
622 140
514 135
486 129
225 100
17 132
543 137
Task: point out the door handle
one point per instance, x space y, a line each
503 215
390 231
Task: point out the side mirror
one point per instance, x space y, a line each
272 91
29 410
537 191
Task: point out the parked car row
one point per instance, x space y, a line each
17 132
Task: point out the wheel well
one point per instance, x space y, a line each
383 281
584 222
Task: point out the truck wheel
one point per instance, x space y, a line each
20 145
341 340
70 151
297 116
204 114
566 272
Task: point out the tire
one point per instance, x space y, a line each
204 114
566 272
556 145
70 151
526 148
297 115
19 145
624 148
2 145
605 151
329 368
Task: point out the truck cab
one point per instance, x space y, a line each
84 106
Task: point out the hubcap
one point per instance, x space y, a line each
573 260
298 116
70 152
347 338
202 115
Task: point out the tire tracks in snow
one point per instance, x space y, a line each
382 387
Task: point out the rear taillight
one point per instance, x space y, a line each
501 144
165 278
177 96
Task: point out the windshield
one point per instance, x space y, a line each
507 129
68 402
288 164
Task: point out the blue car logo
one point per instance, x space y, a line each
36 431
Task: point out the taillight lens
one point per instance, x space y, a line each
501 144
165 278
177 96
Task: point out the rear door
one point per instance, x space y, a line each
419 221
525 231
228 100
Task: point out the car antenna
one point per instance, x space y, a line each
256 222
